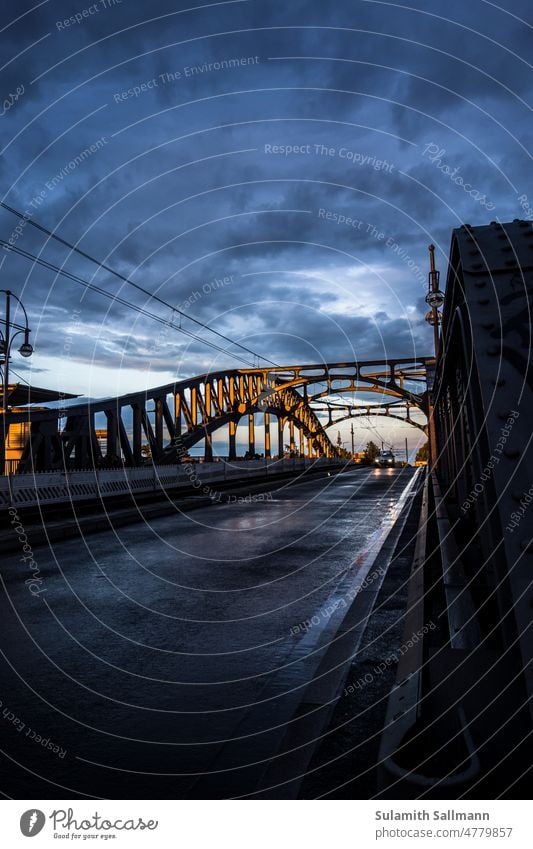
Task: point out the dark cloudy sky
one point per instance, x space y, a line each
389 107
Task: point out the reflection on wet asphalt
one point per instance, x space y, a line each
167 634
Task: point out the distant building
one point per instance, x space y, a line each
20 396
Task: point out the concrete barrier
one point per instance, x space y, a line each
31 490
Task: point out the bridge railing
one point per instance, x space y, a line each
461 712
31 490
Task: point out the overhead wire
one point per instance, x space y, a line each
115 298
127 280
97 289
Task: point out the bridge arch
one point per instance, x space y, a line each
188 411
400 412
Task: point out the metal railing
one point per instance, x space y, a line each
30 490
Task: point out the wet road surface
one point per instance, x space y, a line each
165 659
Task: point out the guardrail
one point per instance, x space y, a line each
33 489
405 758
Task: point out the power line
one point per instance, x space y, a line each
111 296
12 371
125 279
116 298
377 434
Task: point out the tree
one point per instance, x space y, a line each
371 451
422 455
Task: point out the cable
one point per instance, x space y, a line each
116 298
111 270
99 290
377 434
23 379
129 282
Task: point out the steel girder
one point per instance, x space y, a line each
400 411
171 419
483 408
385 377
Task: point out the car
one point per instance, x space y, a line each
385 459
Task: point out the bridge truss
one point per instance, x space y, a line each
398 410
171 419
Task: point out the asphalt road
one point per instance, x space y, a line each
164 660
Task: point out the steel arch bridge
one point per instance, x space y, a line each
171 419
398 410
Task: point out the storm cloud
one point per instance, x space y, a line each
275 170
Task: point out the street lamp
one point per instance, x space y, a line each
6 342
434 298
346 442
26 350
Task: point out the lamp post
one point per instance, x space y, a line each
6 341
435 300
346 442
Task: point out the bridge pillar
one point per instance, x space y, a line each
194 406
292 446
251 434
137 435
208 448
159 423
281 425
112 433
208 442
310 447
177 415
267 435
232 454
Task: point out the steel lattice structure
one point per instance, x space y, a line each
171 419
466 690
398 410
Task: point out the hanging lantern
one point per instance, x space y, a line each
435 298
432 317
